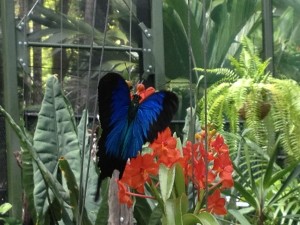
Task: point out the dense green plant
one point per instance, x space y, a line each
4 208
55 163
185 28
252 96
269 191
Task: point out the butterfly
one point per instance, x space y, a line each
127 122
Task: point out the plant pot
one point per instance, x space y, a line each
263 112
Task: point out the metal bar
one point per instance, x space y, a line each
268 47
58 45
158 43
11 104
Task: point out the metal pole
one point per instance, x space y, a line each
11 104
268 48
158 43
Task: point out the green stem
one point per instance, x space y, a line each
157 196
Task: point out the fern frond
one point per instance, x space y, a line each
227 74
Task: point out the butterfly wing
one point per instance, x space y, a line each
121 139
154 115
114 100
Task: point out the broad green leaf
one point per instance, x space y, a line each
240 217
73 190
55 186
184 203
166 181
55 136
207 218
179 180
170 217
174 210
181 207
203 218
4 208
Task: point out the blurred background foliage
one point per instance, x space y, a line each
70 22
56 37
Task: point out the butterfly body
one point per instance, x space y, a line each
127 123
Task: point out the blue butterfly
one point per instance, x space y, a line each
128 123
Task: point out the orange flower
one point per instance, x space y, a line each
221 161
138 171
163 140
164 147
216 204
226 177
123 195
144 93
218 144
169 156
200 174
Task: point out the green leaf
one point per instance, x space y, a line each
142 211
295 173
89 167
203 218
73 190
207 218
240 217
27 179
55 136
184 203
25 142
4 208
179 180
269 170
102 215
181 207
11 221
166 180
246 194
169 218
279 175
155 217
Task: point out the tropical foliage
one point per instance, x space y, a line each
268 191
54 185
250 95
56 165
4 208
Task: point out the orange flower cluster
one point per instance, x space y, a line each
194 160
213 166
210 168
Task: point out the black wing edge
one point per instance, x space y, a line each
106 86
170 107
107 164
